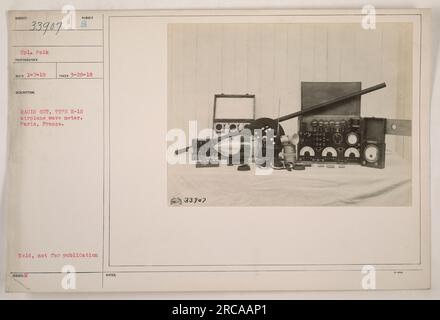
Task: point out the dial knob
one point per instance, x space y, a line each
352 138
337 138
371 153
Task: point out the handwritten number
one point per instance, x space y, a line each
59 26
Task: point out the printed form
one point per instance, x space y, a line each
56 98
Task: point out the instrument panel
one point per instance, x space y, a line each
330 139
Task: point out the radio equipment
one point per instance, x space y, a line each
330 127
331 134
209 152
330 139
232 112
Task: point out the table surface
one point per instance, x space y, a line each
351 185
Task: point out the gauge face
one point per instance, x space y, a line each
329 152
371 153
232 127
352 138
352 153
218 127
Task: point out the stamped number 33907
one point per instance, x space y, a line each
177 201
193 200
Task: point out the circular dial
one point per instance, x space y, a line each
307 151
352 153
329 152
352 138
371 153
